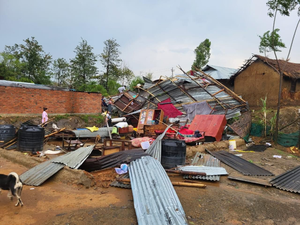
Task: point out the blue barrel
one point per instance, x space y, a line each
173 153
30 138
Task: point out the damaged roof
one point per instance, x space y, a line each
219 72
186 89
288 69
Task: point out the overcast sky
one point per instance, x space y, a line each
154 36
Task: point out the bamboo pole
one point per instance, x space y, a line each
186 172
49 135
188 184
185 184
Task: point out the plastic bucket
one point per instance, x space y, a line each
232 144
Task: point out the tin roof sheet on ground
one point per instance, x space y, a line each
240 164
288 181
40 173
112 160
155 200
76 158
103 132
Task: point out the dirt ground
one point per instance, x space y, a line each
224 202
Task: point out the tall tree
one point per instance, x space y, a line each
202 54
61 71
110 59
12 68
125 75
83 65
271 40
35 61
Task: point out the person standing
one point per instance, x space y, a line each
109 106
108 119
103 104
44 115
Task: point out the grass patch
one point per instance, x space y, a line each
99 118
60 117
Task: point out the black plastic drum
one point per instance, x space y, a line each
173 153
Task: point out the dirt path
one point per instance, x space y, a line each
224 202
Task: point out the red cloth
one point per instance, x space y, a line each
184 130
169 109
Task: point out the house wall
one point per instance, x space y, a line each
259 80
20 101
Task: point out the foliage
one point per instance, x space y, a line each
110 60
112 87
92 86
264 110
125 75
202 54
99 118
270 42
30 61
60 117
83 65
135 82
284 7
61 71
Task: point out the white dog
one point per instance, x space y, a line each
12 183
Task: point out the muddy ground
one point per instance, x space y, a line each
225 202
61 200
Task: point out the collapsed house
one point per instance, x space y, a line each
190 95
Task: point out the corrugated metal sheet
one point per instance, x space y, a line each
40 173
155 148
103 132
209 170
116 183
219 72
198 177
202 159
183 90
240 164
155 200
29 85
288 181
112 160
212 125
76 158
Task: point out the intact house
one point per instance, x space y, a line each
259 78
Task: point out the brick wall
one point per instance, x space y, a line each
16 100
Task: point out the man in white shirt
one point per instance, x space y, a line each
121 89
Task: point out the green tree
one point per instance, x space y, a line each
92 86
83 65
271 40
125 75
110 60
202 54
35 62
61 71
135 82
